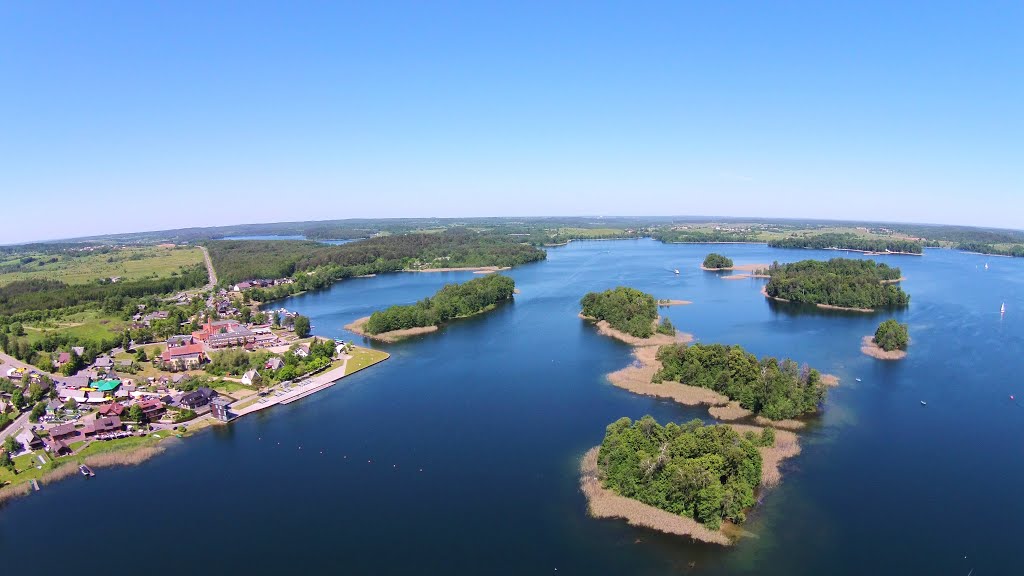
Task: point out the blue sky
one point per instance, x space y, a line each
130 117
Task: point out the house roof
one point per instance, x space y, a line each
112 409
106 385
62 430
250 375
64 357
186 350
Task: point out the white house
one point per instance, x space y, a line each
251 377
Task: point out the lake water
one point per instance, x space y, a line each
459 454
287 237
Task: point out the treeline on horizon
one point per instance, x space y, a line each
41 294
238 260
451 301
626 309
1015 250
700 236
705 472
842 282
849 242
768 387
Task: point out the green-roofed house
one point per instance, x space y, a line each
106 385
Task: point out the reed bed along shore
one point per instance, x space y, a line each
738 268
359 327
68 466
868 346
729 412
606 503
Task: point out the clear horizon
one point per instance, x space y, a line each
127 118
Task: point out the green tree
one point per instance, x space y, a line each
135 414
301 325
891 335
18 399
717 262
11 445
37 411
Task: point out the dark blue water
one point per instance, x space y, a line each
287 237
496 410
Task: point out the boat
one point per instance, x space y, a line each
677 270
986 265
1002 309
923 403
86 471
857 379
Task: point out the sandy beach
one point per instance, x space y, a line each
358 326
868 346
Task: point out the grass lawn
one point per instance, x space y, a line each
26 466
363 357
130 263
89 325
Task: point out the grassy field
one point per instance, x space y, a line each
363 357
89 325
130 263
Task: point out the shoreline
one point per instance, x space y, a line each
605 503
668 302
358 326
604 328
869 348
764 292
739 268
475 269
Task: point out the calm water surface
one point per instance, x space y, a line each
459 454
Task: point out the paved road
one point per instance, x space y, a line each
209 269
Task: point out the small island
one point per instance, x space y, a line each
889 342
451 302
715 261
838 284
627 314
682 479
773 390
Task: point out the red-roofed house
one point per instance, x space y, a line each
183 357
112 409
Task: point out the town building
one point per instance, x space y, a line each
219 408
198 398
186 357
251 377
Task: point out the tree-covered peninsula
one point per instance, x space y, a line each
771 388
847 241
625 309
715 261
452 301
839 282
313 265
707 473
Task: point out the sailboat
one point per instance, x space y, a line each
677 270
1002 309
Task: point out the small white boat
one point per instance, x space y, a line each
1002 309
677 270
923 403
857 379
986 265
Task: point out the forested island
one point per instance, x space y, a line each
839 283
707 473
889 342
626 310
775 389
450 302
848 241
715 261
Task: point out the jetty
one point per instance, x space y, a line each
291 393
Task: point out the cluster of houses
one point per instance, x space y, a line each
260 283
